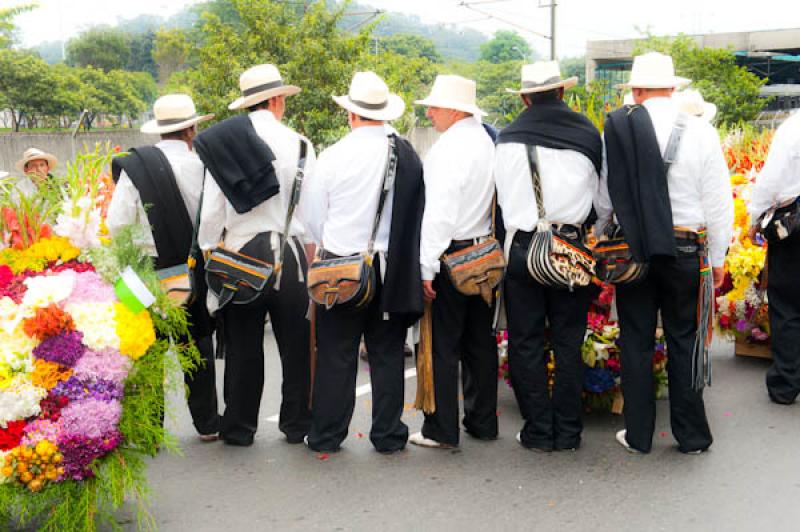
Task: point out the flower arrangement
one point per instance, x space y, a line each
741 307
81 373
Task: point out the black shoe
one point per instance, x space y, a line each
481 436
320 450
780 400
238 442
295 439
390 451
532 447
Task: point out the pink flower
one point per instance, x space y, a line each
90 417
106 364
91 288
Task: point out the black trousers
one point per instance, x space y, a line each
783 290
671 286
550 421
202 389
339 331
462 331
244 353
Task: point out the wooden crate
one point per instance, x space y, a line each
746 349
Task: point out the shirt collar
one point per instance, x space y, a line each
263 115
369 131
658 103
176 146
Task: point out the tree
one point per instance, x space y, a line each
171 50
410 46
7 27
303 41
574 66
714 72
24 85
141 56
506 46
103 48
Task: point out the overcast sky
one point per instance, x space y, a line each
577 20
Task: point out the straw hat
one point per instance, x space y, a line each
653 70
260 83
173 112
32 154
543 76
691 102
453 92
370 97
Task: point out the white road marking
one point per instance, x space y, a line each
364 389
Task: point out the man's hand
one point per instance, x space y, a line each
751 234
718 273
428 291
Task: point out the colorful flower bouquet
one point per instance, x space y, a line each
741 306
601 357
81 364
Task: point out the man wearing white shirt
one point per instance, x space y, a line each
459 190
569 153
660 214
779 184
342 202
172 197
256 232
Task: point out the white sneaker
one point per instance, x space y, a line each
624 442
418 439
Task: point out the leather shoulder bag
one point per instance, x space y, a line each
555 257
238 278
349 281
615 263
478 269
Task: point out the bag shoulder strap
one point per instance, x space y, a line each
674 142
388 183
294 198
533 164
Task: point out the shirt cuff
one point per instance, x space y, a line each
717 257
428 273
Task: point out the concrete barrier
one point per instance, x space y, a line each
63 146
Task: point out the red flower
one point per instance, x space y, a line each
48 321
6 276
11 435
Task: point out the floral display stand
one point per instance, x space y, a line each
86 339
748 349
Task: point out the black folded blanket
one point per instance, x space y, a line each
239 161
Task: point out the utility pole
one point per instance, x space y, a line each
552 30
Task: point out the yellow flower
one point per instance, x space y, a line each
37 256
135 331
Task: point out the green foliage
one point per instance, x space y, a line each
593 101
307 46
492 80
715 74
506 46
7 27
410 46
141 58
574 66
24 84
103 48
171 52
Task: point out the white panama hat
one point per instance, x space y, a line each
453 92
543 76
690 101
370 97
32 154
173 112
260 83
653 70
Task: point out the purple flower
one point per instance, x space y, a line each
76 389
741 325
107 364
80 451
90 417
66 348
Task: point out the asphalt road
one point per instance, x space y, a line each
750 480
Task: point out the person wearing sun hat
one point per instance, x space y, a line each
691 102
569 153
459 189
256 231
36 166
662 212
342 201
168 178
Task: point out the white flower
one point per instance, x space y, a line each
83 229
97 322
45 289
20 400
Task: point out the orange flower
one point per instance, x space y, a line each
48 321
47 374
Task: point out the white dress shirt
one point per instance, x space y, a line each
779 180
218 213
698 182
126 204
342 197
569 186
458 191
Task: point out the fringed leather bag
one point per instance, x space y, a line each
350 281
780 221
557 256
701 361
478 269
238 278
